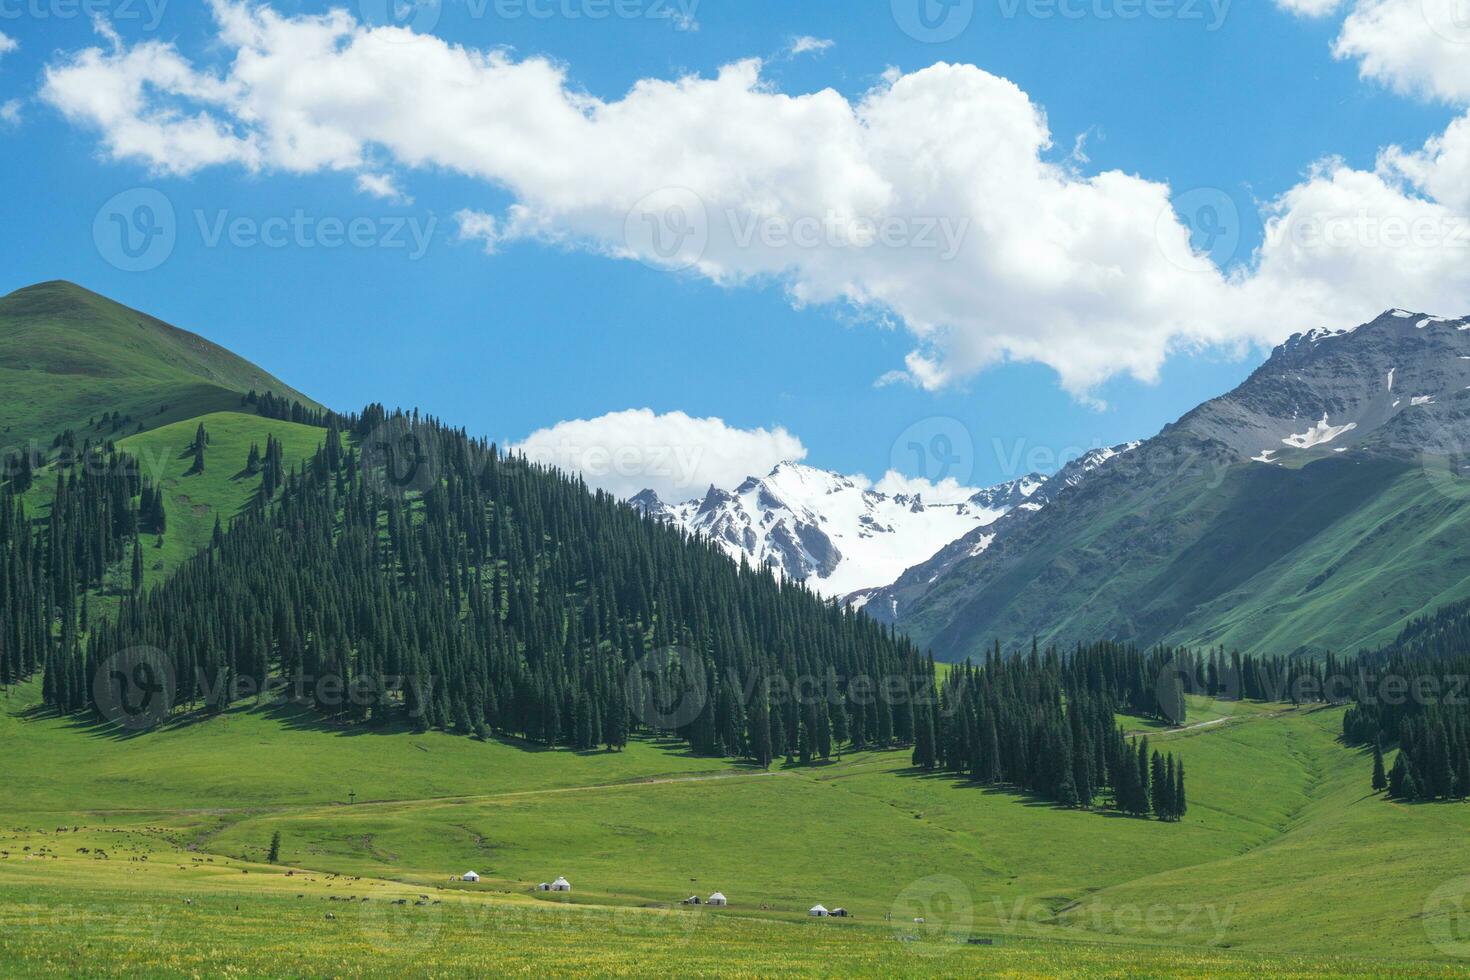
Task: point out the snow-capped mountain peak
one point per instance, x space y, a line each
1391 384
834 532
840 534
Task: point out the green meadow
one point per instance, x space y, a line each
1279 817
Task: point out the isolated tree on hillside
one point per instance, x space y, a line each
275 853
1380 780
201 439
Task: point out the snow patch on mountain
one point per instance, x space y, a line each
1318 434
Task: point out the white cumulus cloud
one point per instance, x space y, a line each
1400 232
7 43
674 454
806 44
1417 46
946 491
931 201
382 186
1310 8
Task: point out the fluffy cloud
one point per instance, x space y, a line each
806 44
930 201
676 455
382 186
679 456
7 43
10 113
1419 46
1310 8
1400 232
946 491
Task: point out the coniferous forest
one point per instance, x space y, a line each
427 580
1416 695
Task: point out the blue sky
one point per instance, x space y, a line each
546 330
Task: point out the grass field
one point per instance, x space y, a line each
1284 865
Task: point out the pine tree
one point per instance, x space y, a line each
1380 781
137 566
201 439
1401 779
1161 782
1145 773
1181 805
275 853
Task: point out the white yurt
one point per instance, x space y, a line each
819 911
561 885
470 876
718 898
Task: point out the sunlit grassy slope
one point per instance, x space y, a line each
68 356
194 500
1283 854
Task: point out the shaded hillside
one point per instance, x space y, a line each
1319 506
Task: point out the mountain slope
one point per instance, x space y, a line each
1019 499
1320 505
68 355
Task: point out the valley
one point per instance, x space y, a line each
301 547
1279 813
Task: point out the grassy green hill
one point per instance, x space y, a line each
68 355
1337 554
194 500
1279 819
